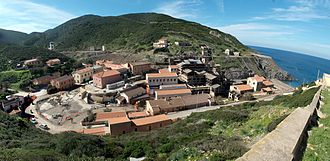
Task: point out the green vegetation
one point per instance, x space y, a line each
17 79
7 36
319 140
11 55
300 98
223 134
134 32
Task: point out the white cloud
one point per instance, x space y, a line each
256 31
304 10
27 16
180 8
221 5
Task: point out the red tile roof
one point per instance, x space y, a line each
63 78
101 116
137 114
151 120
244 87
118 120
155 75
258 78
94 131
84 70
107 73
173 92
267 89
173 66
268 83
165 70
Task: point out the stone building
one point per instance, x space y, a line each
62 83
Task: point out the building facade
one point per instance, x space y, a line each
139 68
157 79
32 62
63 82
83 75
44 80
101 79
168 94
53 62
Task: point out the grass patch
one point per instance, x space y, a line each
318 144
17 79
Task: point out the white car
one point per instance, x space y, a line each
34 120
44 126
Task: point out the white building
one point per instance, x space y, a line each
326 80
51 46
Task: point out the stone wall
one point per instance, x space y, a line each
286 142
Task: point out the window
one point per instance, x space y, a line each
124 132
149 128
135 129
161 124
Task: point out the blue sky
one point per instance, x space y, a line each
296 25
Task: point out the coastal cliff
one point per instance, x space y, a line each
254 64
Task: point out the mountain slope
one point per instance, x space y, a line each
12 54
135 33
15 37
131 31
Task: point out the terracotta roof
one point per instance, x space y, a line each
84 70
107 73
195 99
176 102
63 78
173 66
137 114
258 78
267 89
158 103
150 120
114 66
94 131
46 77
101 116
173 92
134 92
163 104
244 87
165 70
155 75
118 120
268 83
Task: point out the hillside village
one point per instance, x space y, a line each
112 98
151 87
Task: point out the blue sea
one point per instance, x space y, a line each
304 68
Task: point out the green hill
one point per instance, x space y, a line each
11 54
8 36
133 32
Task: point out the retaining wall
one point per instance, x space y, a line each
285 143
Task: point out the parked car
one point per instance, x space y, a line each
34 120
44 126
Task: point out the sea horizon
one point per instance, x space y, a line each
303 67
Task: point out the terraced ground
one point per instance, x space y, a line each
318 144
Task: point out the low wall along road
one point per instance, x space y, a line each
286 142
